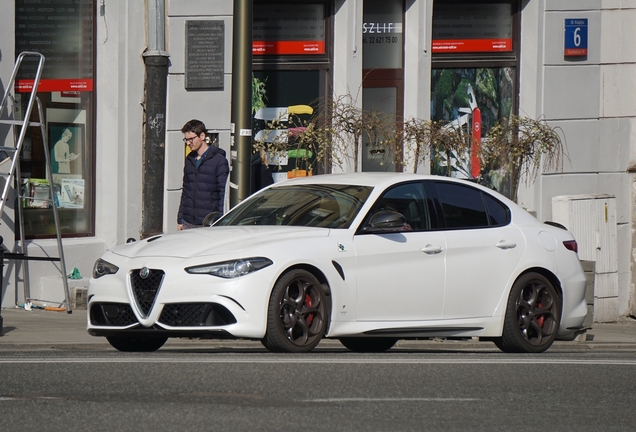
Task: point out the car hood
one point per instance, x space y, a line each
214 240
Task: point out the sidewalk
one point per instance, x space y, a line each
50 329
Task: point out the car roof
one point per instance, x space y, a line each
373 179
357 178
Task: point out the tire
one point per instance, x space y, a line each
532 316
368 344
298 313
136 344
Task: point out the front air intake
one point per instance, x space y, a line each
145 286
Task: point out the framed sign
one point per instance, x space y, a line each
204 54
66 141
288 29
575 40
472 28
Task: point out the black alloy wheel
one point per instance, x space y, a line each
298 313
532 316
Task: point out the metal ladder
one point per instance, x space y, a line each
14 173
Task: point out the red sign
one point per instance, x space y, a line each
475 163
288 47
472 27
472 45
56 85
288 29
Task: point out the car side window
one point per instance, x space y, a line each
409 200
498 213
462 206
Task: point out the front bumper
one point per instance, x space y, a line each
178 305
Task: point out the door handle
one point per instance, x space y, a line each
503 244
431 249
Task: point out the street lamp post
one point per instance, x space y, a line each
241 116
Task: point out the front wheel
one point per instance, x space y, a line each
136 344
298 313
532 316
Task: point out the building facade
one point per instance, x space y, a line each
569 62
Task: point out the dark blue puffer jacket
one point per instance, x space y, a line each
203 189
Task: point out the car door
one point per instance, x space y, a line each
482 249
400 275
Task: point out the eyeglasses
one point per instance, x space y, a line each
189 140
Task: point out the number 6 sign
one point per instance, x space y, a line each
575 41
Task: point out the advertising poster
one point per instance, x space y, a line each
288 29
472 28
472 99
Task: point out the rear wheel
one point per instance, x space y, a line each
136 344
298 313
368 344
532 316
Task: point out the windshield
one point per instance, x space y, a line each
329 206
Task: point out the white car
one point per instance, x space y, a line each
366 258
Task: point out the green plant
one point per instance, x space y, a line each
258 94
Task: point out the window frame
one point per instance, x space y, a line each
54 103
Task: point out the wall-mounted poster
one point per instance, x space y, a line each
66 141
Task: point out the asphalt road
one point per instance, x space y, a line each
331 389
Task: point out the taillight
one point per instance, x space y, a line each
571 245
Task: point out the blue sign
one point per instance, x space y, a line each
575 37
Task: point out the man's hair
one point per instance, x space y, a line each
195 126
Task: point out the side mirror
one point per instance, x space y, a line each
385 220
211 218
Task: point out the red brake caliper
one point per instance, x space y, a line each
308 303
540 318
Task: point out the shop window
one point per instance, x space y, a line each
474 79
382 42
286 104
294 29
291 52
383 75
478 27
64 33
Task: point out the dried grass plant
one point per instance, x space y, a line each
524 146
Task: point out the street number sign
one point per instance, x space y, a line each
575 42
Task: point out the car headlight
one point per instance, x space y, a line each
103 268
231 269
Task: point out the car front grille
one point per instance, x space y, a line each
145 288
196 314
112 314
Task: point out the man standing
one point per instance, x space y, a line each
204 177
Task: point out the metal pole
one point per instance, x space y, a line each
241 117
56 218
156 61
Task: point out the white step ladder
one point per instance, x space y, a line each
14 174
